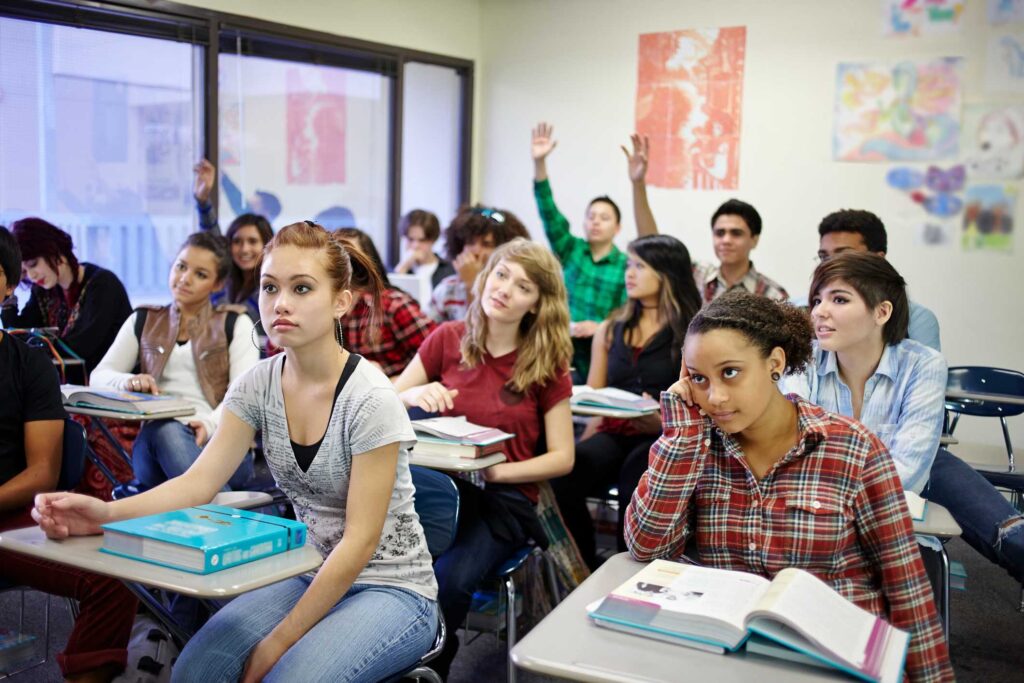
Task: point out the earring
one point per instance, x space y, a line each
255 337
338 333
776 377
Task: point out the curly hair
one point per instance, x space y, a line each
864 223
476 222
546 347
765 323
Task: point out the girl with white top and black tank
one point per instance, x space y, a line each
337 439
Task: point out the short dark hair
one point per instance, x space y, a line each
10 257
476 222
875 280
735 207
425 219
765 323
864 223
38 238
216 245
607 200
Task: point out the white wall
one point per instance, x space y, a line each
573 63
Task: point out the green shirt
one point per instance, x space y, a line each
596 288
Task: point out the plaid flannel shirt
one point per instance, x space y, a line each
833 506
596 288
711 285
403 328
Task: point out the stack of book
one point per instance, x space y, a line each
122 401
457 437
612 402
203 539
795 616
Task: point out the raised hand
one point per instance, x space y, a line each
542 142
64 514
637 161
206 176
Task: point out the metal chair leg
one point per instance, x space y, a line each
510 625
1006 438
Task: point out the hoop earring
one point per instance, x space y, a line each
338 333
776 377
253 336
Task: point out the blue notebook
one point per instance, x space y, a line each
201 540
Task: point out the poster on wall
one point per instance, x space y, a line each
904 112
1005 11
315 124
921 17
1004 67
993 141
935 232
988 217
689 103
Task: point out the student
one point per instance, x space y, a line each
189 349
261 202
760 481
857 230
337 442
593 266
84 302
638 351
470 240
391 344
865 367
420 230
735 232
31 432
505 366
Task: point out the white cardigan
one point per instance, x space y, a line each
179 378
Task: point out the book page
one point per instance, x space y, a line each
810 606
916 504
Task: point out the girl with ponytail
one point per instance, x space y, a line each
337 439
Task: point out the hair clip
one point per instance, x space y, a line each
310 223
489 212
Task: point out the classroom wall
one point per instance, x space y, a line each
574 63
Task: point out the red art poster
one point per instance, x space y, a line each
689 103
315 123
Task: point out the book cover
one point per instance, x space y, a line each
296 530
431 445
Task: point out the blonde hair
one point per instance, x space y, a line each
545 349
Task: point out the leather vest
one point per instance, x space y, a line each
209 340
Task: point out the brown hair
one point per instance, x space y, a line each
875 280
765 323
425 219
342 259
472 223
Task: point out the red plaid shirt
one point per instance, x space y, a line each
403 327
833 506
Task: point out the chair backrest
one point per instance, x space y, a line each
985 380
72 464
437 504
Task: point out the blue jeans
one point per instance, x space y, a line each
990 524
372 633
164 449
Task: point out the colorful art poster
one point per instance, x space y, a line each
921 17
993 141
906 112
1005 11
689 101
315 124
935 233
1005 65
988 217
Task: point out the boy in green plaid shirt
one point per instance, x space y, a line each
595 268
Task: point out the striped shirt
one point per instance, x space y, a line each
449 300
833 506
712 285
596 288
903 402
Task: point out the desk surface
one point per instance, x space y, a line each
937 522
451 464
83 552
567 644
598 411
129 417
957 394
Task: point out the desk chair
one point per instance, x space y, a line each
72 465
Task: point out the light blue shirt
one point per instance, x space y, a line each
924 326
903 402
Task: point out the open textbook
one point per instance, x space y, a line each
121 401
717 610
610 397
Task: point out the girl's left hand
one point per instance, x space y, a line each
262 659
492 474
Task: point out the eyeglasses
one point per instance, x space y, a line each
487 212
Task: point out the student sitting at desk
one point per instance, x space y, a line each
31 430
337 441
760 481
84 302
866 367
420 230
638 351
505 366
189 349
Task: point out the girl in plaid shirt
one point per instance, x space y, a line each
759 481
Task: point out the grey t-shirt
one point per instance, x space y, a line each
366 415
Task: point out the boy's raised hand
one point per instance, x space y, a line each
637 161
542 142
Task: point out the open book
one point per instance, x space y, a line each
717 610
609 397
459 430
916 504
121 401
